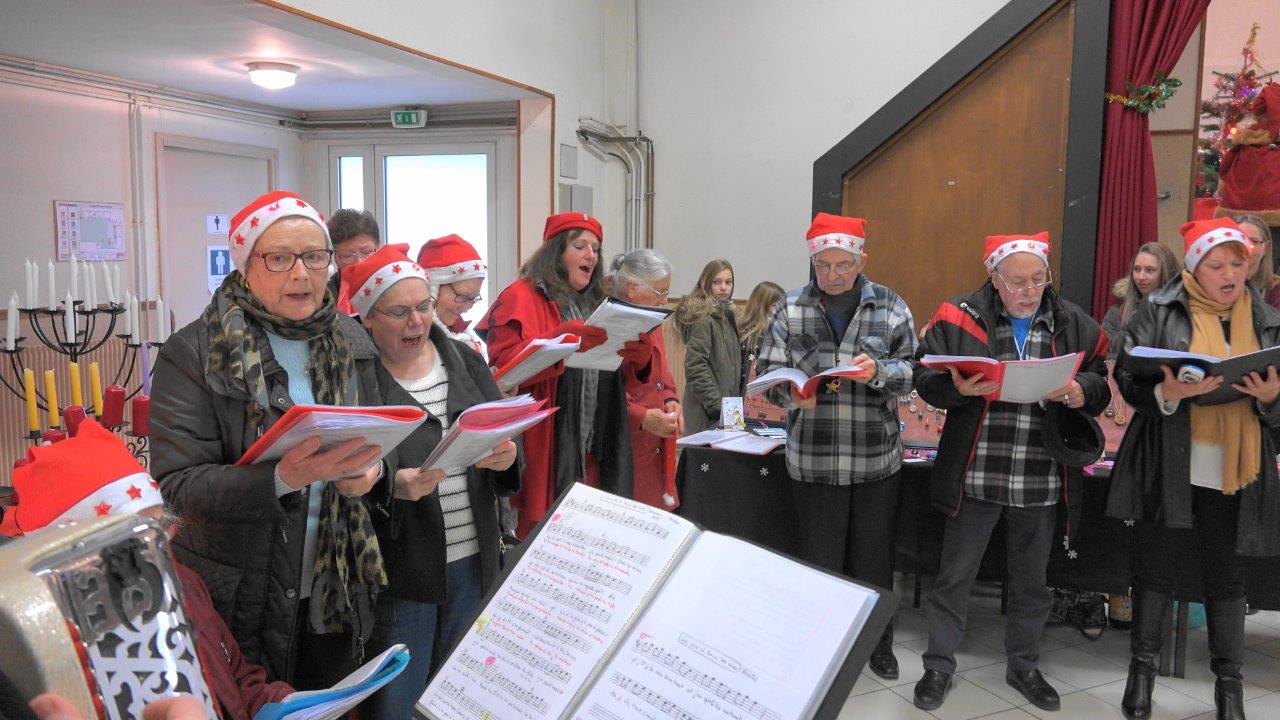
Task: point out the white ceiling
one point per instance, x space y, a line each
202 46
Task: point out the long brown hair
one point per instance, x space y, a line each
700 303
755 317
546 268
1264 278
1170 265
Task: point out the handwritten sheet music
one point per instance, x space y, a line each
551 623
737 632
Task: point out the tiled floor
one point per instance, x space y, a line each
1089 675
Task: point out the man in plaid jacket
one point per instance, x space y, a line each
992 460
843 450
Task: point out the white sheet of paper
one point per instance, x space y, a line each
709 437
341 427
749 444
549 353
1028 381
623 323
577 585
333 709
738 632
469 446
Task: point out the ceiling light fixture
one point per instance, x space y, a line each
272 75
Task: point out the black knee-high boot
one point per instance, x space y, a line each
1145 637
1226 655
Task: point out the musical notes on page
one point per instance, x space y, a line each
545 632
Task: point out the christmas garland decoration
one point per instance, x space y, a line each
1146 98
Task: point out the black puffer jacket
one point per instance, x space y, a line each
963 326
1152 474
411 533
245 543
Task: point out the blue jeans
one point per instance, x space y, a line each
462 604
411 623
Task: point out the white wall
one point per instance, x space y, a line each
65 146
574 49
741 97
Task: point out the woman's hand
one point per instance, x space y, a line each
673 407
1172 389
1265 390
972 386
357 485
657 422
1072 395
501 457
306 463
412 483
179 707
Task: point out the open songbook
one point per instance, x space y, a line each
385 425
1021 381
480 428
806 386
348 692
739 441
538 355
623 321
619 611
1145 361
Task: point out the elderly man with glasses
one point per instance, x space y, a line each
992 459
843 451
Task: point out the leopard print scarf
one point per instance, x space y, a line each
349 571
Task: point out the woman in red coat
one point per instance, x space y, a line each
643 277
559 287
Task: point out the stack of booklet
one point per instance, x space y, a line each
538 355
739 441
620 611
804 385
338 700
384 425
1021 381
480 428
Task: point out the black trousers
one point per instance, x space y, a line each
850 529
1161 559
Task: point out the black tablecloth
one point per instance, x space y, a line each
750 496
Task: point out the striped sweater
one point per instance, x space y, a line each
460 536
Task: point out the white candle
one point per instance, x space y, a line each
11 323
69 314
134 335
75 277
35 285
117 285
26 283
91 287
124 320
164 320
53 294
106 280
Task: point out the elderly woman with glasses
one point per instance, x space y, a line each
438 528
643 277
287 548
456 269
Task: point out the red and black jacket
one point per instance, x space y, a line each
961 326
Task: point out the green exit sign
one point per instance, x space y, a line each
408 118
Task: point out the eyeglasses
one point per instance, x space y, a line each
841 268
465 299
1024 288
660 293
350 257
401 312
284 261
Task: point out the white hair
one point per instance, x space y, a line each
641 266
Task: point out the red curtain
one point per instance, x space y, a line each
1147 36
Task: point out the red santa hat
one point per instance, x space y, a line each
369 278
1201 236
449 259
560 222
836 231
83 477
999 247
254 219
